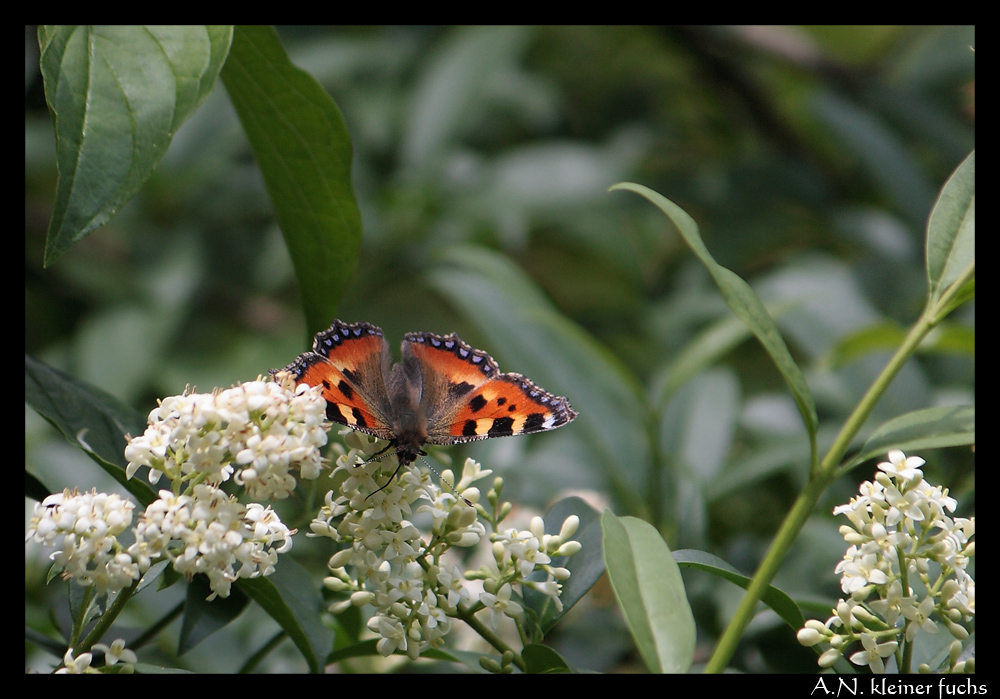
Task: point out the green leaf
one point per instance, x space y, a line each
773 597
542 659
886 336
649 589
965 292
89 418
302 146
950 339
362 649
883 336
290 598
930 428
743 302
951 230
117 95
203 618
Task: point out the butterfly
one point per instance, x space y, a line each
442 392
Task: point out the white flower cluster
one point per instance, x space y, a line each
260 431
84 530
387 564
517 555
392 569
210 532
205 532
900 531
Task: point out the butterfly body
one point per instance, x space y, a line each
443 391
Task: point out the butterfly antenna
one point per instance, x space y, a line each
450 486
380 456
391 479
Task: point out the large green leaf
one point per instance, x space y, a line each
203 618
117 95
649 589
302 146
288 596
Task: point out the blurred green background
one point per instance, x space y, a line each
809 156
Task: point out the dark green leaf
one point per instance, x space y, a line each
290 598
585 567
302 146
88 417
117 95
539 659
774 598
203 618
355 650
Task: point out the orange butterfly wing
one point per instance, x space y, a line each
465 397
348 361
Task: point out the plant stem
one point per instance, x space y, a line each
109 617
807 499
786 535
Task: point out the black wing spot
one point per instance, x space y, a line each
359 418
346 389
502 427
534 422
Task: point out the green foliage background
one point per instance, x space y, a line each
809 156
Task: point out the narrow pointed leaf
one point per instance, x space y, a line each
773 597
743 302
291 599
930 428
951 229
